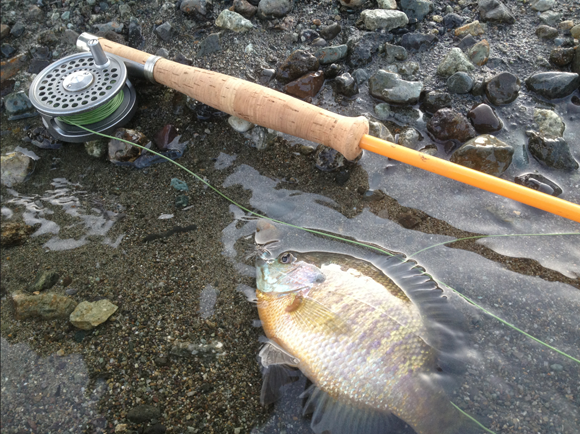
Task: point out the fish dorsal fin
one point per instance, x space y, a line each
273 354
309 314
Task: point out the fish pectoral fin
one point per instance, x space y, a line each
312 315
273 354
340 417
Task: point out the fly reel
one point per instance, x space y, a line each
89 89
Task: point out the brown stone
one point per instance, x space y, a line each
473 29
11 67
44 306
306 86
14 234
479 53
4 31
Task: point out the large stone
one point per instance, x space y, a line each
383 19
418 41
484 119
496 11
554 152
474 29
233 21
306 87
164 31
327 55
553 84
209 45
330 32
546 32
538 182
460 83
271 9
434 101
245 8
89 315
391 88
455 61
503 88
45 306
486 154
447 124
14 233
296 65
550 18
562 56
549 123
16 167
542 5
416 10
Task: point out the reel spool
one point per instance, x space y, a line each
90 89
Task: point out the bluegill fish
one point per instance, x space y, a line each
369 347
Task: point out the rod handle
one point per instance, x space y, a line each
253 102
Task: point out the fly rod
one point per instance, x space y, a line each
278 111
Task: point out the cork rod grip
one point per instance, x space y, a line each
254 103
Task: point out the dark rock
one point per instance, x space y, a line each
346 85
378 129
564 42
478 88
467 42
135 37
6 87
342 177
296 65
45 280
155 429
306 87
394 52
495 11
17 30
195 8
409 220
112 36
416 10
535 181
447 124
35 13
554 152
486 154
330 32
503 88
391 88
19 106
143 413
4 30
266 76
451 21
165 136
328 159
576 62
271 9
245 9
308 35
562 56
360 75
333 54
433 101
44 306
7 50
14 234
418 41
209 45
333 71
37 65
460 83
553 84
546 32
162 52
484 119
180 58
69 37
161 361
164 31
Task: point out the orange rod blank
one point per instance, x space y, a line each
472 177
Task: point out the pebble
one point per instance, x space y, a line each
4 31
209 45
164 31
143 413
14 233
306 87
45 306
542 5
485 153
113 26
135 37
7 50
189 349
328 160
553 84
352 3
18 106
346 85
474 29
416 10
418 41
394 52
554 152
539 182
460 83
270 9
17 30
455 61
447 124
575 31
410 138
479 53
261 137
484 119
451 21
328 55
330 32
194 7
120 152
296 65
502 88
562 56
240 125
45 280
387 4
495 11
233 21
435 100
88 315
383 19
15 168
378 129
96 148
178 184
550 18
391 88
360 75
12 66
549 123
546 32
244 8
155 429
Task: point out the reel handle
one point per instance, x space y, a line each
253 102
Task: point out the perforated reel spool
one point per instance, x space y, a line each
81 83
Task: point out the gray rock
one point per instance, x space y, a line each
550 18
553 84
391 88
383 111
328 160
18 106
546 32
549 123
486 154
89 315
394 52
69 37
245 8
143 413
209 45
455 61
410 138
496 11
542 5
240 125
434 101
17 30
416 10
502 88
45 280
270 9
15 168
330 32
44 306
233 21
193 7
112 26
479 53
188 349
535 181
387 4
451 21
374 19
460 82
346 84
378 129
261 137
333 54
554 152
418 41
576 62
162 52
360 75
164 31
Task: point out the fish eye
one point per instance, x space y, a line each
286 258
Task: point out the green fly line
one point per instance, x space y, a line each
358 243
95 115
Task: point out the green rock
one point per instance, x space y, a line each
88 315
333 54
44 306
486 154
44 281
455 61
